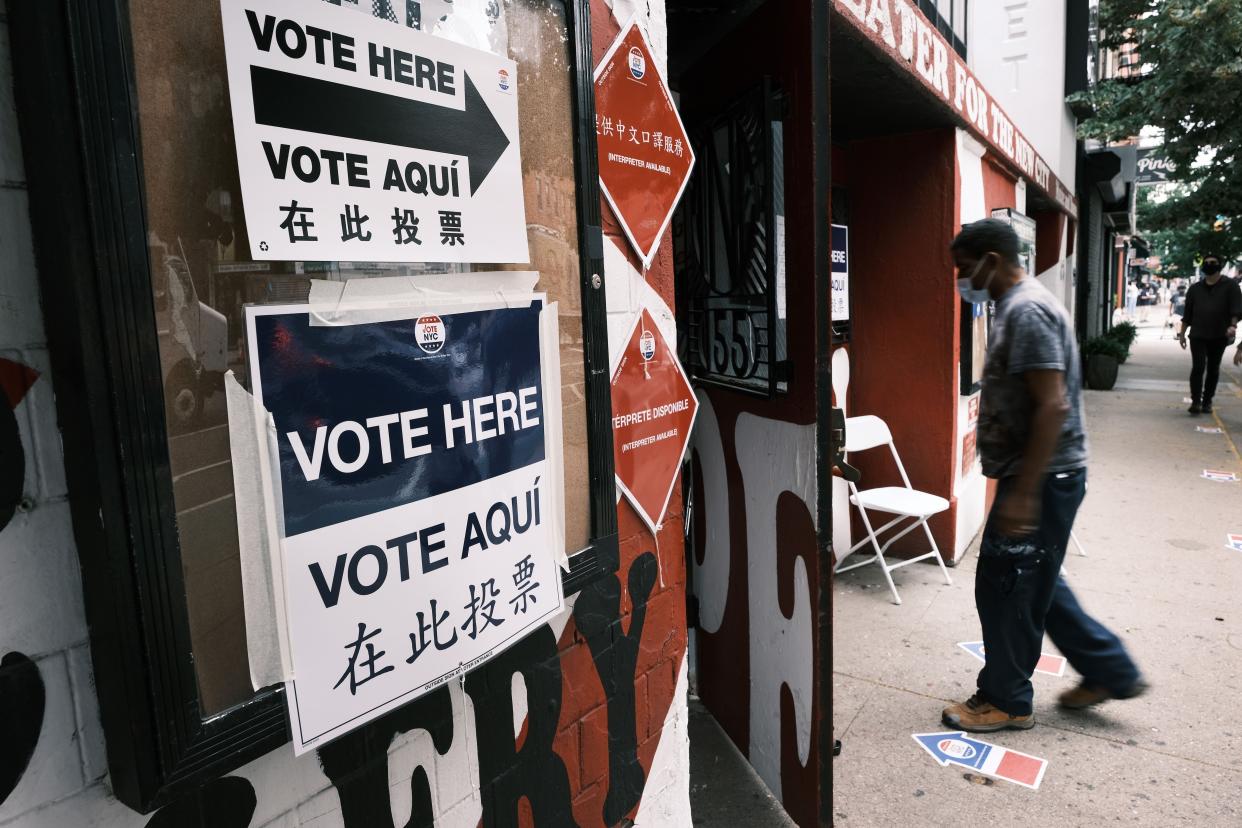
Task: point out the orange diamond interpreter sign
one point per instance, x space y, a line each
653 409
644 153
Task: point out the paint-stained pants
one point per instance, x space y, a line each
1019 593
1205 353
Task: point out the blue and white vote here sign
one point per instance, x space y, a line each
416 501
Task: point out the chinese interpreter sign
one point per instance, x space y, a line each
359 140
653 409
645 157
416 501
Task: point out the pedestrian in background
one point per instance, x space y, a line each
1177 305
1031 439
1213 308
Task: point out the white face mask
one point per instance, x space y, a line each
969 293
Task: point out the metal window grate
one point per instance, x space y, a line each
730 268
949 17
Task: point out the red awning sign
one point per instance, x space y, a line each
645 157
653 409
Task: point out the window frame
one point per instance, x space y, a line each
75 85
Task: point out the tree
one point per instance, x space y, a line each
1181 245
1187 82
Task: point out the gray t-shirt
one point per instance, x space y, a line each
1031 332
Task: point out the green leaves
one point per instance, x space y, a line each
1185 79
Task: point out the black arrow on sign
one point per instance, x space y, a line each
291 101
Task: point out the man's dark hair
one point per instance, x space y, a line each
985 236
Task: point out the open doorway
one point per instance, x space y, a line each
750 245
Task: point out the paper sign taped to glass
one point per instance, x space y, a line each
416 485
362 140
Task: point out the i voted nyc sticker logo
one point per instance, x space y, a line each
429 333
646 345
957 749
638 63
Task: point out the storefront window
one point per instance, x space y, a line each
203 270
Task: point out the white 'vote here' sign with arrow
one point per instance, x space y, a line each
363 140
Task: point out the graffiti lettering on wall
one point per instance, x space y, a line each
21 688
519 779
15 381
223 803
511 771
756 561
21 717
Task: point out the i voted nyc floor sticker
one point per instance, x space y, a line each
1219 476
956 748
1049 664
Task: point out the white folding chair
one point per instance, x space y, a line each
907 503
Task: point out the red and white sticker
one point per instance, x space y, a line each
1049 664
1219 476
653 409
429 333
645 157
963 750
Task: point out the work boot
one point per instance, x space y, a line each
1085 695
1195 408
978 715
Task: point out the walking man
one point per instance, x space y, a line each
1031 439
1213 308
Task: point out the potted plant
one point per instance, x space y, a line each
1125 333
1103 355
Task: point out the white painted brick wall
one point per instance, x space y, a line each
41 611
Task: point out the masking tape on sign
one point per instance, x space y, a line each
256 481
553 437
391 298
252 443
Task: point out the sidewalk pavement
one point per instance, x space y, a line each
1158 573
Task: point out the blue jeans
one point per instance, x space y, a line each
1019 593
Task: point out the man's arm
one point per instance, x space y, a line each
1186 317
1235 308
1018 514
1237 316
